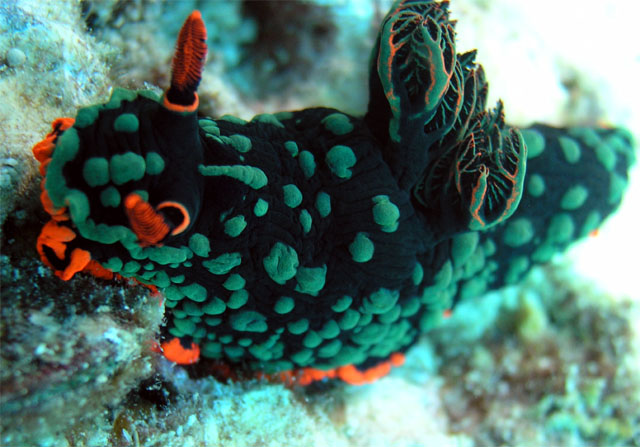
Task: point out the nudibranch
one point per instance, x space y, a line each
313 243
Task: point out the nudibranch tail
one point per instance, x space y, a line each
188 61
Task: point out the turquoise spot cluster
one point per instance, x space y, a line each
320 239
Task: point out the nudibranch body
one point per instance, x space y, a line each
314 242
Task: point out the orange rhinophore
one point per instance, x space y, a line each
146 223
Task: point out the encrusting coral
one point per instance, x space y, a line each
315 244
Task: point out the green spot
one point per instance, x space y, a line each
261 208
291 147
154 163
462 247
194 292
370 334
473 288
209 126
249 175
283 115
126 167
380 301
161 279
591 223
535 186
305 221
534 141
617 185
385 213
214 306
338 124
233 352
211 349
232 119
96 171
349 319
311 340
302 357
87 116
248 321
410 307
185 325
342 304
560 229
574 198
240 143
606 156
173 293
245 342
329 330
178 279
418 274
110 197
330 349
281 264
298 327
238 299
361 248
234 282
144 195
167 255
391 316
234 226
199 244
126 122
517 268
543 253
192 309
114 264
292 195
223 263
570 148
340 160
284 305
131 267
268 119
518 232
213 321
149 94
310 279
118 95
307 164
323 204
78 205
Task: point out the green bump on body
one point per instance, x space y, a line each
330 349
233 119
329 330
249 175
209 126
305 221
591 223
561 228
418 274
199 244
192 309
462 247
385 213
380 301
284 305
473 288
518 232
178 279
114 264
281 264
185 325
110 197
311 340
261 207
337 124
194 292
126 167
291 147
268 119
238 299
248 321
144 195
173 293
223 264
239 142
516 269
234 282
310 280
302 357
86 116
574 198
118 95
349 319
307 164
298 327
323 204
371 334
96 171
340 160
410 307
154 163
234 226
214 306
535 185
126 122
361 248
570 148
391 316
292 195
161 279
78 205
617 185
233 352
211 349
131 267
534 141
167 255
606 156
342 303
